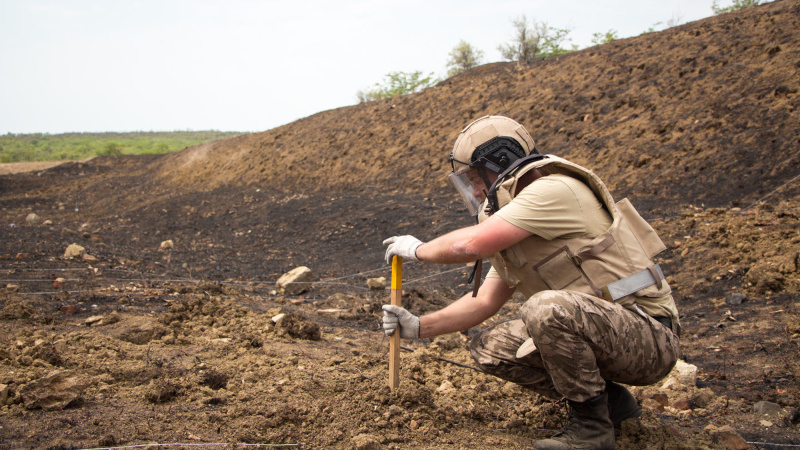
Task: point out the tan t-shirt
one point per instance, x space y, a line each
556 206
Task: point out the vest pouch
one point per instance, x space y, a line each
559 269
642 231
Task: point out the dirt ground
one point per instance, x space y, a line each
169 328
7 168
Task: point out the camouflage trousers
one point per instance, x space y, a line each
580 341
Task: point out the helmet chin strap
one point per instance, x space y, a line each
485 177
493 204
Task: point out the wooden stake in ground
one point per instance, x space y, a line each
394 339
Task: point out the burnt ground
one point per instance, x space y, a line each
136 344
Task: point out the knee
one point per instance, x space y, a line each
480 353
498 344
546 310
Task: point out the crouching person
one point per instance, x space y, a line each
598 312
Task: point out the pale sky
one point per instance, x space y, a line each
253 65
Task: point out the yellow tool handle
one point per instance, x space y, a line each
394 340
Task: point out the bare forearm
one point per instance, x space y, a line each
452 248
468 244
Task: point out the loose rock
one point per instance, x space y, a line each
727 437
735 299
32 219
58 390
377 284
74 251
295 281
767 408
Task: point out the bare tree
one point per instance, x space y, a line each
538 40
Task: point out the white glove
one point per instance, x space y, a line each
402 246
396 316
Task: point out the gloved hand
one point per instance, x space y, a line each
402 246
396 316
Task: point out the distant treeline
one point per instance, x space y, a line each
76 146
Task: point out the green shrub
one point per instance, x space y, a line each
396 84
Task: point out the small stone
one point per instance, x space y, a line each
735 299
683 404
661 398
377 284
727 437
295 282
93 320
653 405
671 385
446 386
57 390
702 397
74 251
277 318
166 245
687 373
767 408
32 219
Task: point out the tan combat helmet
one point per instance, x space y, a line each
492 141
489 143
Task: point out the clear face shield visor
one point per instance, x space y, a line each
466 188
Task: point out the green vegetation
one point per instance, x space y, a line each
396 84
75 146
604 38
737 5
536 41
531 41
463 57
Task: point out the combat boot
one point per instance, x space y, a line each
621 404
589 427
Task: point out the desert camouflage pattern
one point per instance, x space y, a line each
580 341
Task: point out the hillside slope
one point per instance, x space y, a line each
705 112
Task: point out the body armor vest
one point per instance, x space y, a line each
603 266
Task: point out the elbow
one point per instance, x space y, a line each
466 251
